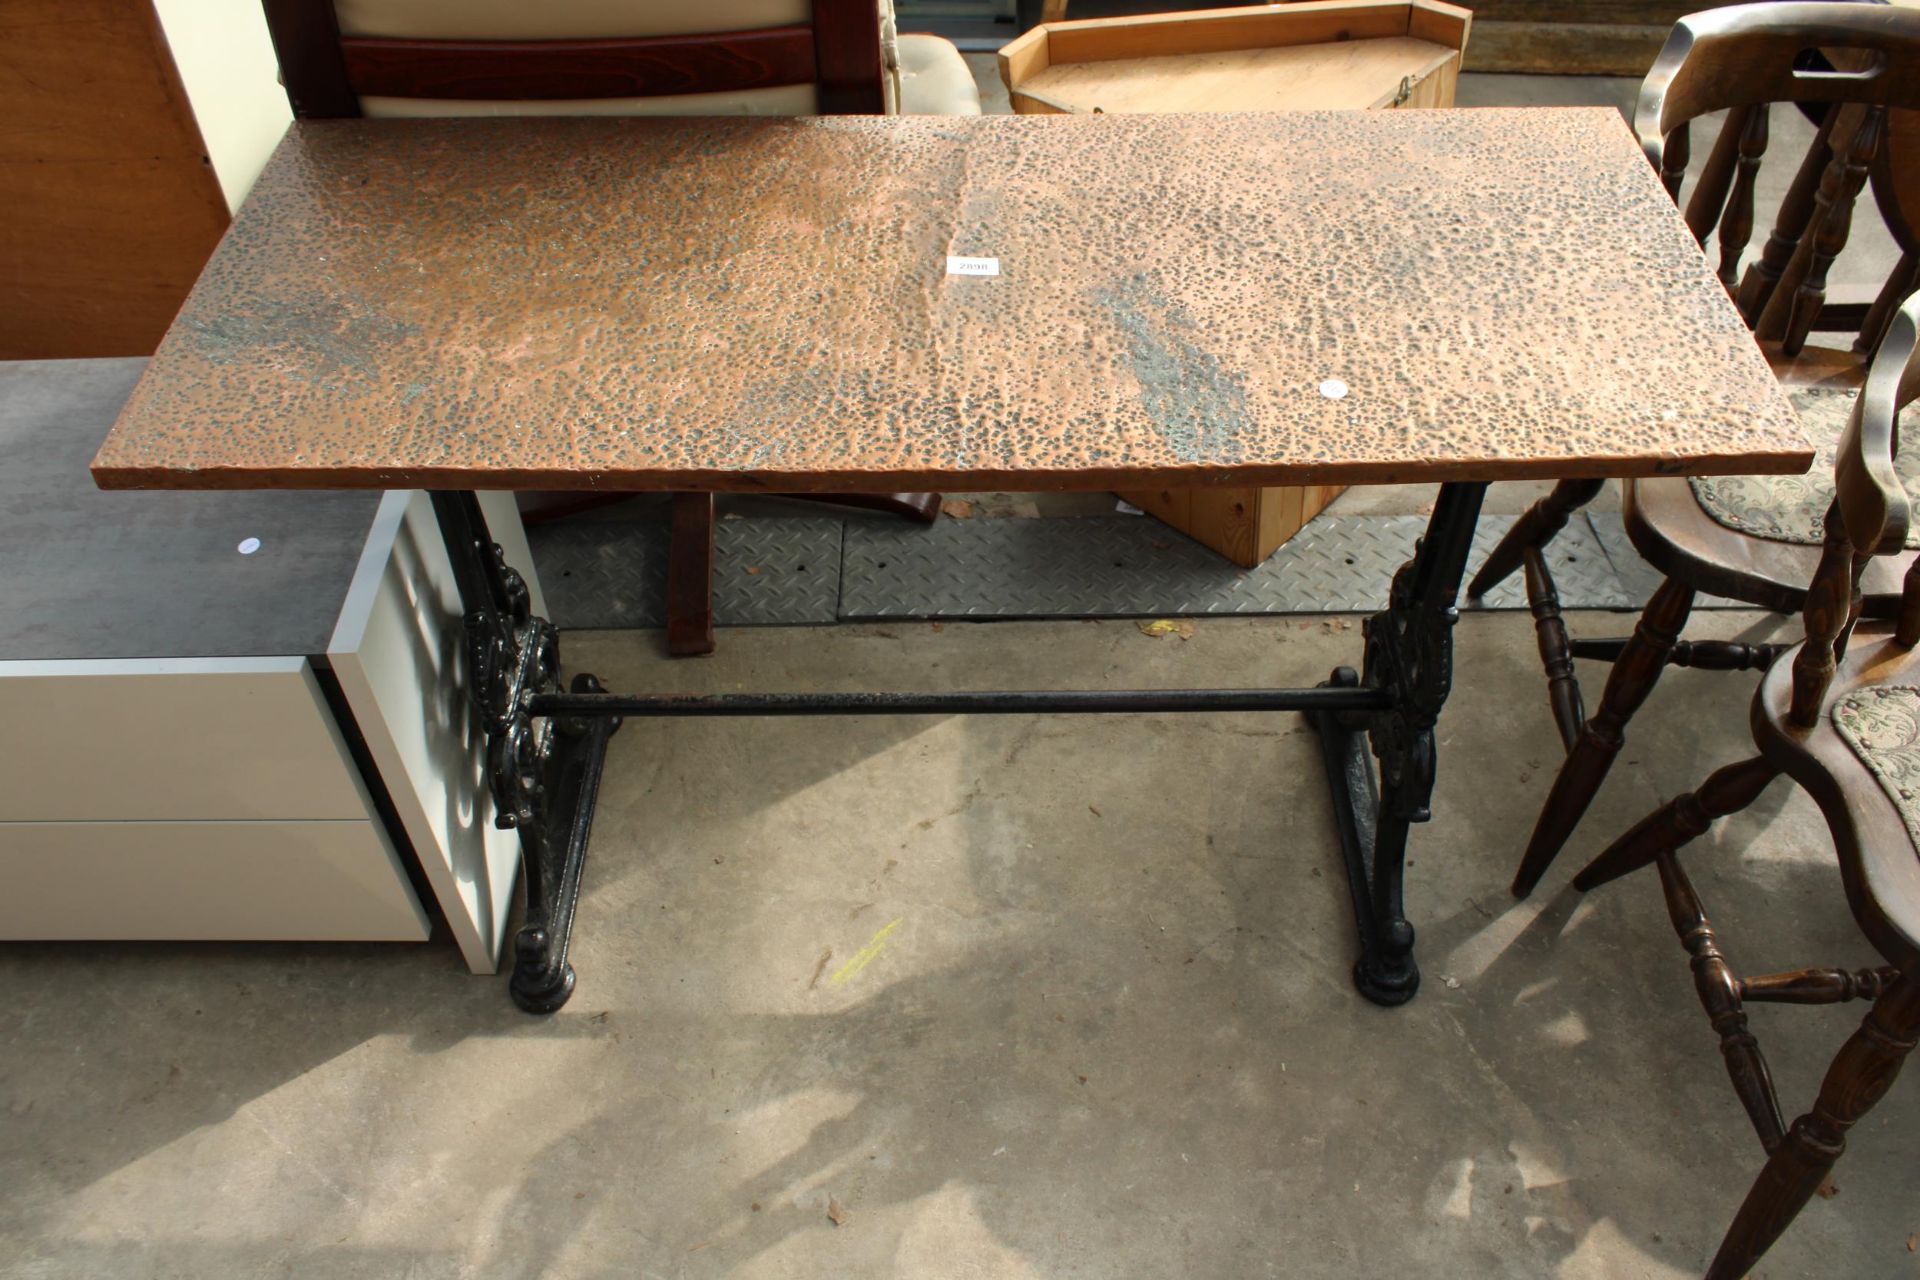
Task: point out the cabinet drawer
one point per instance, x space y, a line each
171 739
291 881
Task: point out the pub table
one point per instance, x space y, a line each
883 304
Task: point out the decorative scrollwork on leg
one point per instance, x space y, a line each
542 775
1409 653
1409 649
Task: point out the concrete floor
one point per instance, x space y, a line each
1026 997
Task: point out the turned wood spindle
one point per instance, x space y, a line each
1829 602
1904 279
1736 225
1681 820
1860 1076
1631 680
1907 631
1536 527
1832 222
1673 163
1763 275
1550 632
1709 198
1719 993
1819 986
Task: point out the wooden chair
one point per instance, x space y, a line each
345 58
1755 541
1840 715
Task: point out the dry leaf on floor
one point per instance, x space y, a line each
1828 1188
1913 1244
958 508
835 1214
1096 810
1167 627
754 570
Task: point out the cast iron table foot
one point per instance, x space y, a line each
1409 658
1385 973
543 771
554 853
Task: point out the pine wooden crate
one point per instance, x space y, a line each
1316 55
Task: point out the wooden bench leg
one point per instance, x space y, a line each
1859 1078
690 577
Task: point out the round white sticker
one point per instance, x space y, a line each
248 546
1333 389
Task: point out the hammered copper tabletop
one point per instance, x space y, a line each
765 304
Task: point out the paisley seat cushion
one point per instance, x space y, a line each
1794 508
1882 726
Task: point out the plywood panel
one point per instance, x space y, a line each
1208 31
1356 74
110 203
283 881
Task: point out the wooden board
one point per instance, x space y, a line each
1356 74
1320 54
110 203
1285 298
1244 523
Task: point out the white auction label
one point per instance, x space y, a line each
972 266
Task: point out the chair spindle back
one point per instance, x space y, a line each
1742 60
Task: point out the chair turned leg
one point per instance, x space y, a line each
1680 820
1550 633
1719 993
1858 1078
1535 528
690 576
1586 766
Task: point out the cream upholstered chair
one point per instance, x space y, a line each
612 57
344 58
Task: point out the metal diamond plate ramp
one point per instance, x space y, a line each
768 571
1128 566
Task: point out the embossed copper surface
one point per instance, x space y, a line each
746 304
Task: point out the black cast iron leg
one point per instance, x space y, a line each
1409 655
555 857
543 771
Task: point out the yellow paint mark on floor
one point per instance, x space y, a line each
865 955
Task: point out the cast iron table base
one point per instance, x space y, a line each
546 748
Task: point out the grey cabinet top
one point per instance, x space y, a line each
89 574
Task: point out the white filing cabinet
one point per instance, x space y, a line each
230 715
